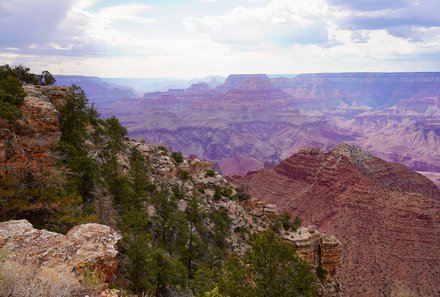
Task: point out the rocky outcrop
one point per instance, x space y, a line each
26 146
84 250
386 217
316 249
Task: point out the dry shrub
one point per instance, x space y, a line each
24 281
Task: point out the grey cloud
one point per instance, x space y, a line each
25 22
370 5
401 22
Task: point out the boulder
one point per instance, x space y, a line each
88 248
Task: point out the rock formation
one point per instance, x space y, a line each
253 121
86 255
27 147
386 217
88 249
329 90
316 249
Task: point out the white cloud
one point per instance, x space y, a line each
273 36
282 22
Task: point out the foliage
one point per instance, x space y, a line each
222 224
116 132
91 279
73 117
44 202
177 156
217 194
26 282
242 194
269 268
11 95
163 149
46 78
275 268
214 293
209 173
11 91
20 72
184 175
235 279
321 273
9 111
227 191
284 222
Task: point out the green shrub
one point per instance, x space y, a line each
321 273
177 156
227 191
184 175
217 194
11 91
20 72
9 111
163 149
46 78
242 194
210 173
284 221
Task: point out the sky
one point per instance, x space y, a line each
197 38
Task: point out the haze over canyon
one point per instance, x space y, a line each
250 122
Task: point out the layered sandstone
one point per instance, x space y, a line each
386 217
318 250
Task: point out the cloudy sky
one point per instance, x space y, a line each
196 38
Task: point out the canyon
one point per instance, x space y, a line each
87 259
255 121
385 215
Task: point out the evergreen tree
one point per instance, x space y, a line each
275 269
46 78
196 246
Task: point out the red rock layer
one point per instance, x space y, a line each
386 217
26 145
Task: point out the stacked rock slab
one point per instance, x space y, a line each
316 249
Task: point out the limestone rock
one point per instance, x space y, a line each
317 249
88 247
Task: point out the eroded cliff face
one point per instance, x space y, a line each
26 145
316 249
55 261
386 217
329 90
